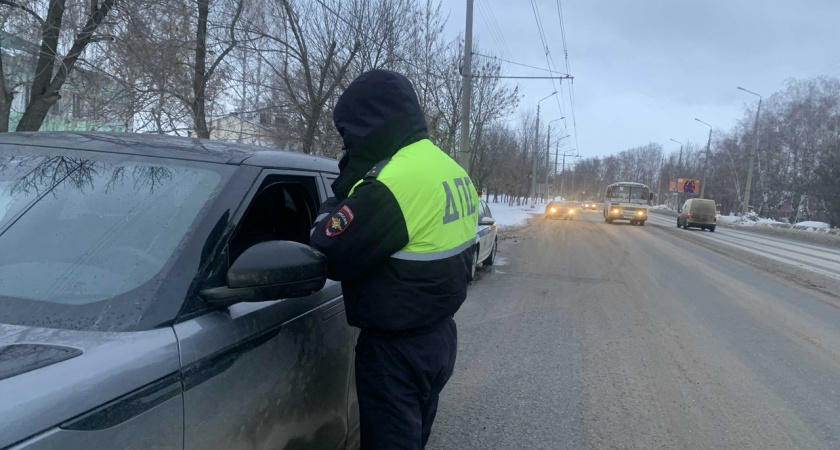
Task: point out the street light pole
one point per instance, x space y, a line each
675 176
466 96
706 161
536 149
548 153
745 209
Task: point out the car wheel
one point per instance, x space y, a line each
609 221
678 223
471 274
641 223
712 229
492 258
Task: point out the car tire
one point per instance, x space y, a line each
641 223
471 273
492 258
712 229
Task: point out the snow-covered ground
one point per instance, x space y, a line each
736 220
753 221
812 224
512 216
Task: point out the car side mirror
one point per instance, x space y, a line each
487 220
271 270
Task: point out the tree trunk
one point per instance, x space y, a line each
200 74
45 85
6 97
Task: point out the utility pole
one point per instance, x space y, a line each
548 153
563 171
536 150
745 209
675 176
464 154
706 161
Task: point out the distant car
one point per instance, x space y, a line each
158 292
486 239
561 210
590 205
698 212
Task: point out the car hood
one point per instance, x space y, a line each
49 376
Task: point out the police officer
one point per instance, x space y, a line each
398 235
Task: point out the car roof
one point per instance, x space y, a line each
629 183
173 147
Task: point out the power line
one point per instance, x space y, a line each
557 77
518 64
498 28
490 29
543 40
568 69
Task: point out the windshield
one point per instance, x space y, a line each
629 194
81 231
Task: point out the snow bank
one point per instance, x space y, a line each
812 224
750 222
512 216
662 208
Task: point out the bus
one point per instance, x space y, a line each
627 201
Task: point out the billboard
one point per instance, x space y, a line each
688 185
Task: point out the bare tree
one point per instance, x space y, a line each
48 78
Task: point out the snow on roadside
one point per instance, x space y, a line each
736 220
811 224
513 216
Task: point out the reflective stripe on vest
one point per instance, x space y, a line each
437 199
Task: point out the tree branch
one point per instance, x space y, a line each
25 9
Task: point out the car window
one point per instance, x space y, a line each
283 210
79 231
487 210
481 211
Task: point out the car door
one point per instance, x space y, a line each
353 424
274 374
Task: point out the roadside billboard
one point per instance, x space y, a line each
688 185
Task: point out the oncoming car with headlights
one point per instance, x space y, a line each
561 210
627 201
590 205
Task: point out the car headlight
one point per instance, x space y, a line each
554 210
616 211
571 211
640 212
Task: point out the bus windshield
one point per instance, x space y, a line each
629 194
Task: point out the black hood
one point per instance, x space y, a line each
377 115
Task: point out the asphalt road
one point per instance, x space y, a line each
589 335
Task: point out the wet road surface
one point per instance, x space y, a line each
589 335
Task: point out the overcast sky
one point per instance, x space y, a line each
644 69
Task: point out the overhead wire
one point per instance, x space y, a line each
548 59
568 69
507 51
491 31
518 63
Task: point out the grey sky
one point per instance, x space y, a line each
645 69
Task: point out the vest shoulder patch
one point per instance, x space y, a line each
339 221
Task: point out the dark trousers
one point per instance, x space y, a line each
398 381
